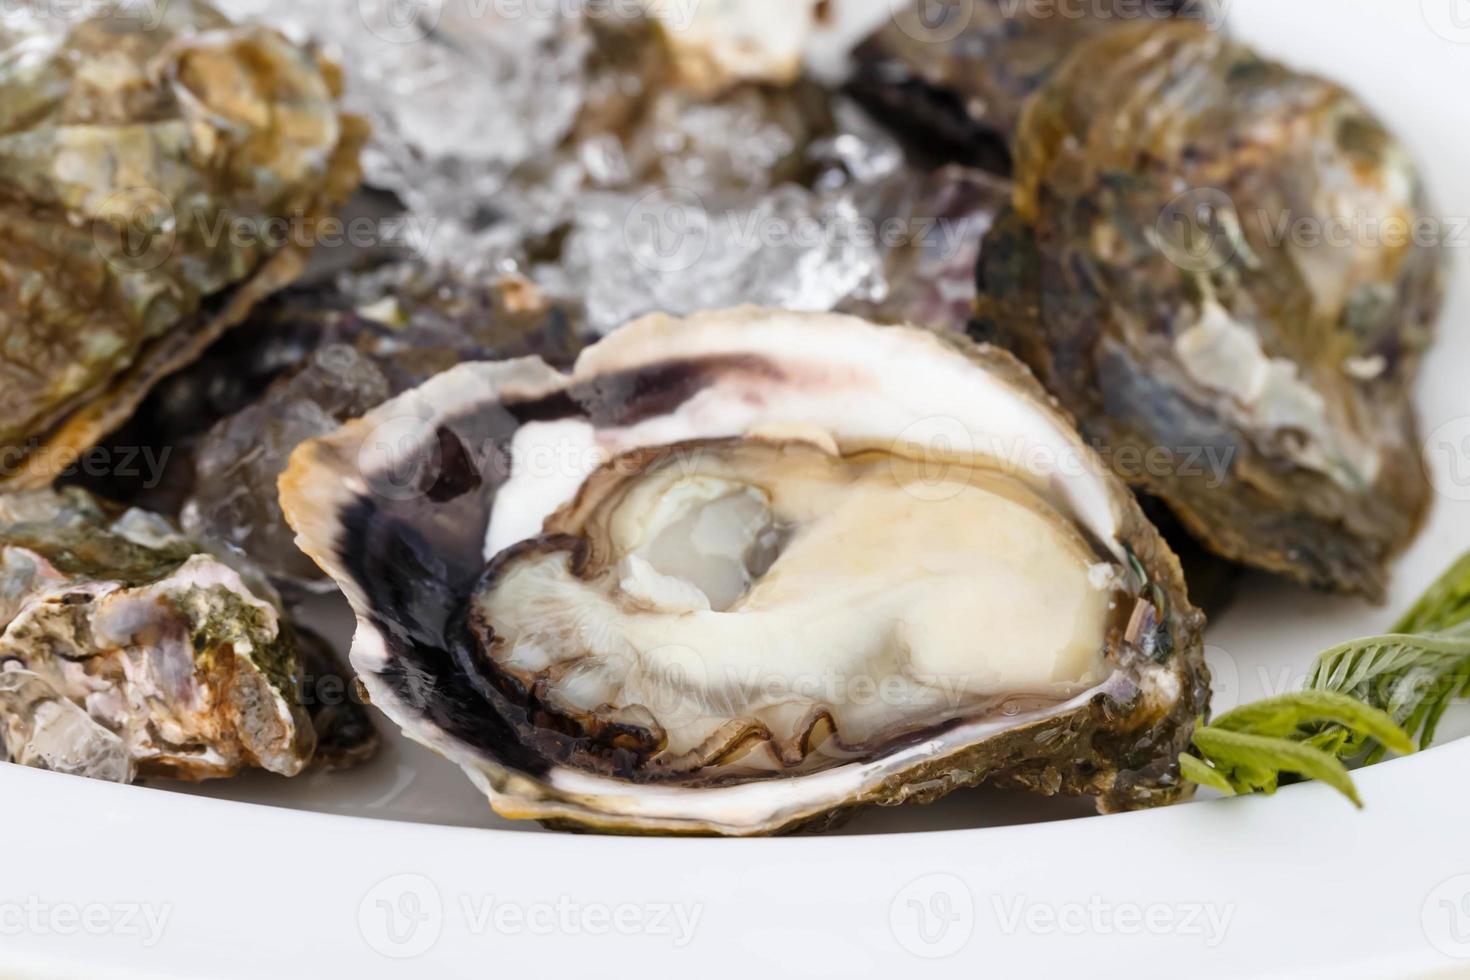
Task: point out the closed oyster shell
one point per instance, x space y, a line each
955 76
128 650
1150 275
143 167
404 507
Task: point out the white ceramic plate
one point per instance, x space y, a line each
403 869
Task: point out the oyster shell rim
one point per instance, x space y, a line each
1143 707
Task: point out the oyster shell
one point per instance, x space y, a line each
718 45
144 165
955 76
127 650
1149 274
305 361
705 515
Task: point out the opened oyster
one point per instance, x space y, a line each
1217 264
749 570
127 650
149 169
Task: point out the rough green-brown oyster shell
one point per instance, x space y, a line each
1219 266
397 506
155 181
954 75
128 650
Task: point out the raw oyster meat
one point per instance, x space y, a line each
954 75
740 573
128 650
148 169
1154 275
305 361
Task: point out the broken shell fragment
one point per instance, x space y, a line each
127 650
740 573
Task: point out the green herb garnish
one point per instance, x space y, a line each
1413 672
1247 750
1362 699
